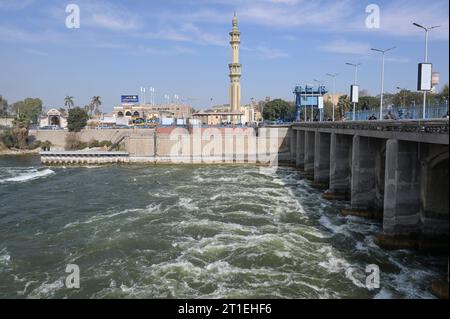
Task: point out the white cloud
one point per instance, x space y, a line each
112 22
13 34
36 52
15 4
188 32
346 47
397 17
270 53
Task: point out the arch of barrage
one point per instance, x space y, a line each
393 170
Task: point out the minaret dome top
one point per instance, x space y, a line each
235 20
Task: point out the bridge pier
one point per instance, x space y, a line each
434 213
340 167
309 154
401 215
365 177
293 148
322 160
393 171
300 150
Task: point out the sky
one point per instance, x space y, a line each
182 47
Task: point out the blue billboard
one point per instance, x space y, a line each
130 99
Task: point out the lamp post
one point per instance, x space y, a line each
312 104
143 93
333 75
320 84
306 101
427 30
152 96
356 66
383 52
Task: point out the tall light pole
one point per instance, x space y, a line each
383 53
306 101
312 104
333 75
356 66
152 95
427 30
143 90
320 84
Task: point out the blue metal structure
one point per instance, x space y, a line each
308 98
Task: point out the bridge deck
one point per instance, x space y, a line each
428 131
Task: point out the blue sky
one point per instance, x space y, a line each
181 47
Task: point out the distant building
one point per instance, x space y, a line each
151 112
218 115
7 122
329 97
53 118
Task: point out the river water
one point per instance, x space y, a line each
190 232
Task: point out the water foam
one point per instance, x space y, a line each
28 176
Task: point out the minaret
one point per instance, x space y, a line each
235 68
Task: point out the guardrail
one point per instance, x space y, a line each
408 126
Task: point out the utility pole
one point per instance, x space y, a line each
383 53
427 30
333 75
356 66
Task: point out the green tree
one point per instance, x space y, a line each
443 95
368 103
96 103
29 109
343 106
20 131
63 111
3 106
68 101
77 120
278 110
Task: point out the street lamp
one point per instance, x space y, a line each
333 75
356 66
320 84
383 52
143 93
426 59
152 96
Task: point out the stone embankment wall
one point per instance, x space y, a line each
195 145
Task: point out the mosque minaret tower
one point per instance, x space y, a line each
235 68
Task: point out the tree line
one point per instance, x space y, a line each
27 113
280 110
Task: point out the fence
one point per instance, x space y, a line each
402 113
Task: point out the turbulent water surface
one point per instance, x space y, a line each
189 232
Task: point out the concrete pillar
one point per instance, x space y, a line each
434 189
365 152
293 147
401 214
340 166
322 159
300 150
309 153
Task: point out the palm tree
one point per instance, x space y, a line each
96 103
68 101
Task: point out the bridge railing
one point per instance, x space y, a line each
402 113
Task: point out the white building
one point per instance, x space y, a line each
53 118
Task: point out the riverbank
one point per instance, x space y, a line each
16 152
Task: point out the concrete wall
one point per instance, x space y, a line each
57 137
180 145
